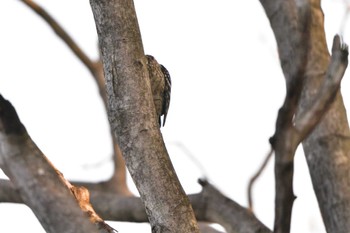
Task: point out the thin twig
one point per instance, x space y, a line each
192 157
255 177
96 69
58 29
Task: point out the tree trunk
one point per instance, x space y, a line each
132 115
327 147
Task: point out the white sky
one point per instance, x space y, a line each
227 88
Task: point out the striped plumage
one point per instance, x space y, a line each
161 87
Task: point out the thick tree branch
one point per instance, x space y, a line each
290 27
327 147
133 118
232 216
209 205
39 184
308 107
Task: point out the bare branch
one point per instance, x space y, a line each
327 146
290 26
38 182
209 205
255 177
57 28
296 42
132 117
228 213
117 182
336 69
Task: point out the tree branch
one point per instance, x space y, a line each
304 111
290 27
61 33
310 117
327 146
39 184
254 178
209 205
228 213
133 118
117 183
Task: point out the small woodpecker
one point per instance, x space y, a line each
161 87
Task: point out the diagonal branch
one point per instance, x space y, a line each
118 180
232 216
311 116
40 185
255 177
291 28
131 114
210 205
57 28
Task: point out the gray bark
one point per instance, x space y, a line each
209 205
132 116
305 61
35 178
326 148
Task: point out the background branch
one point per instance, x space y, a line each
117 183
311 110
292 40
209 205
327 146
255 177
68 40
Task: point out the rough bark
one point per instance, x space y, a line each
290 29
209 205
304 59
36 180
228 213
327 147
132 116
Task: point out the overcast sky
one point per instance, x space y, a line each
227 88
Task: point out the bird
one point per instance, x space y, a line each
161 87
